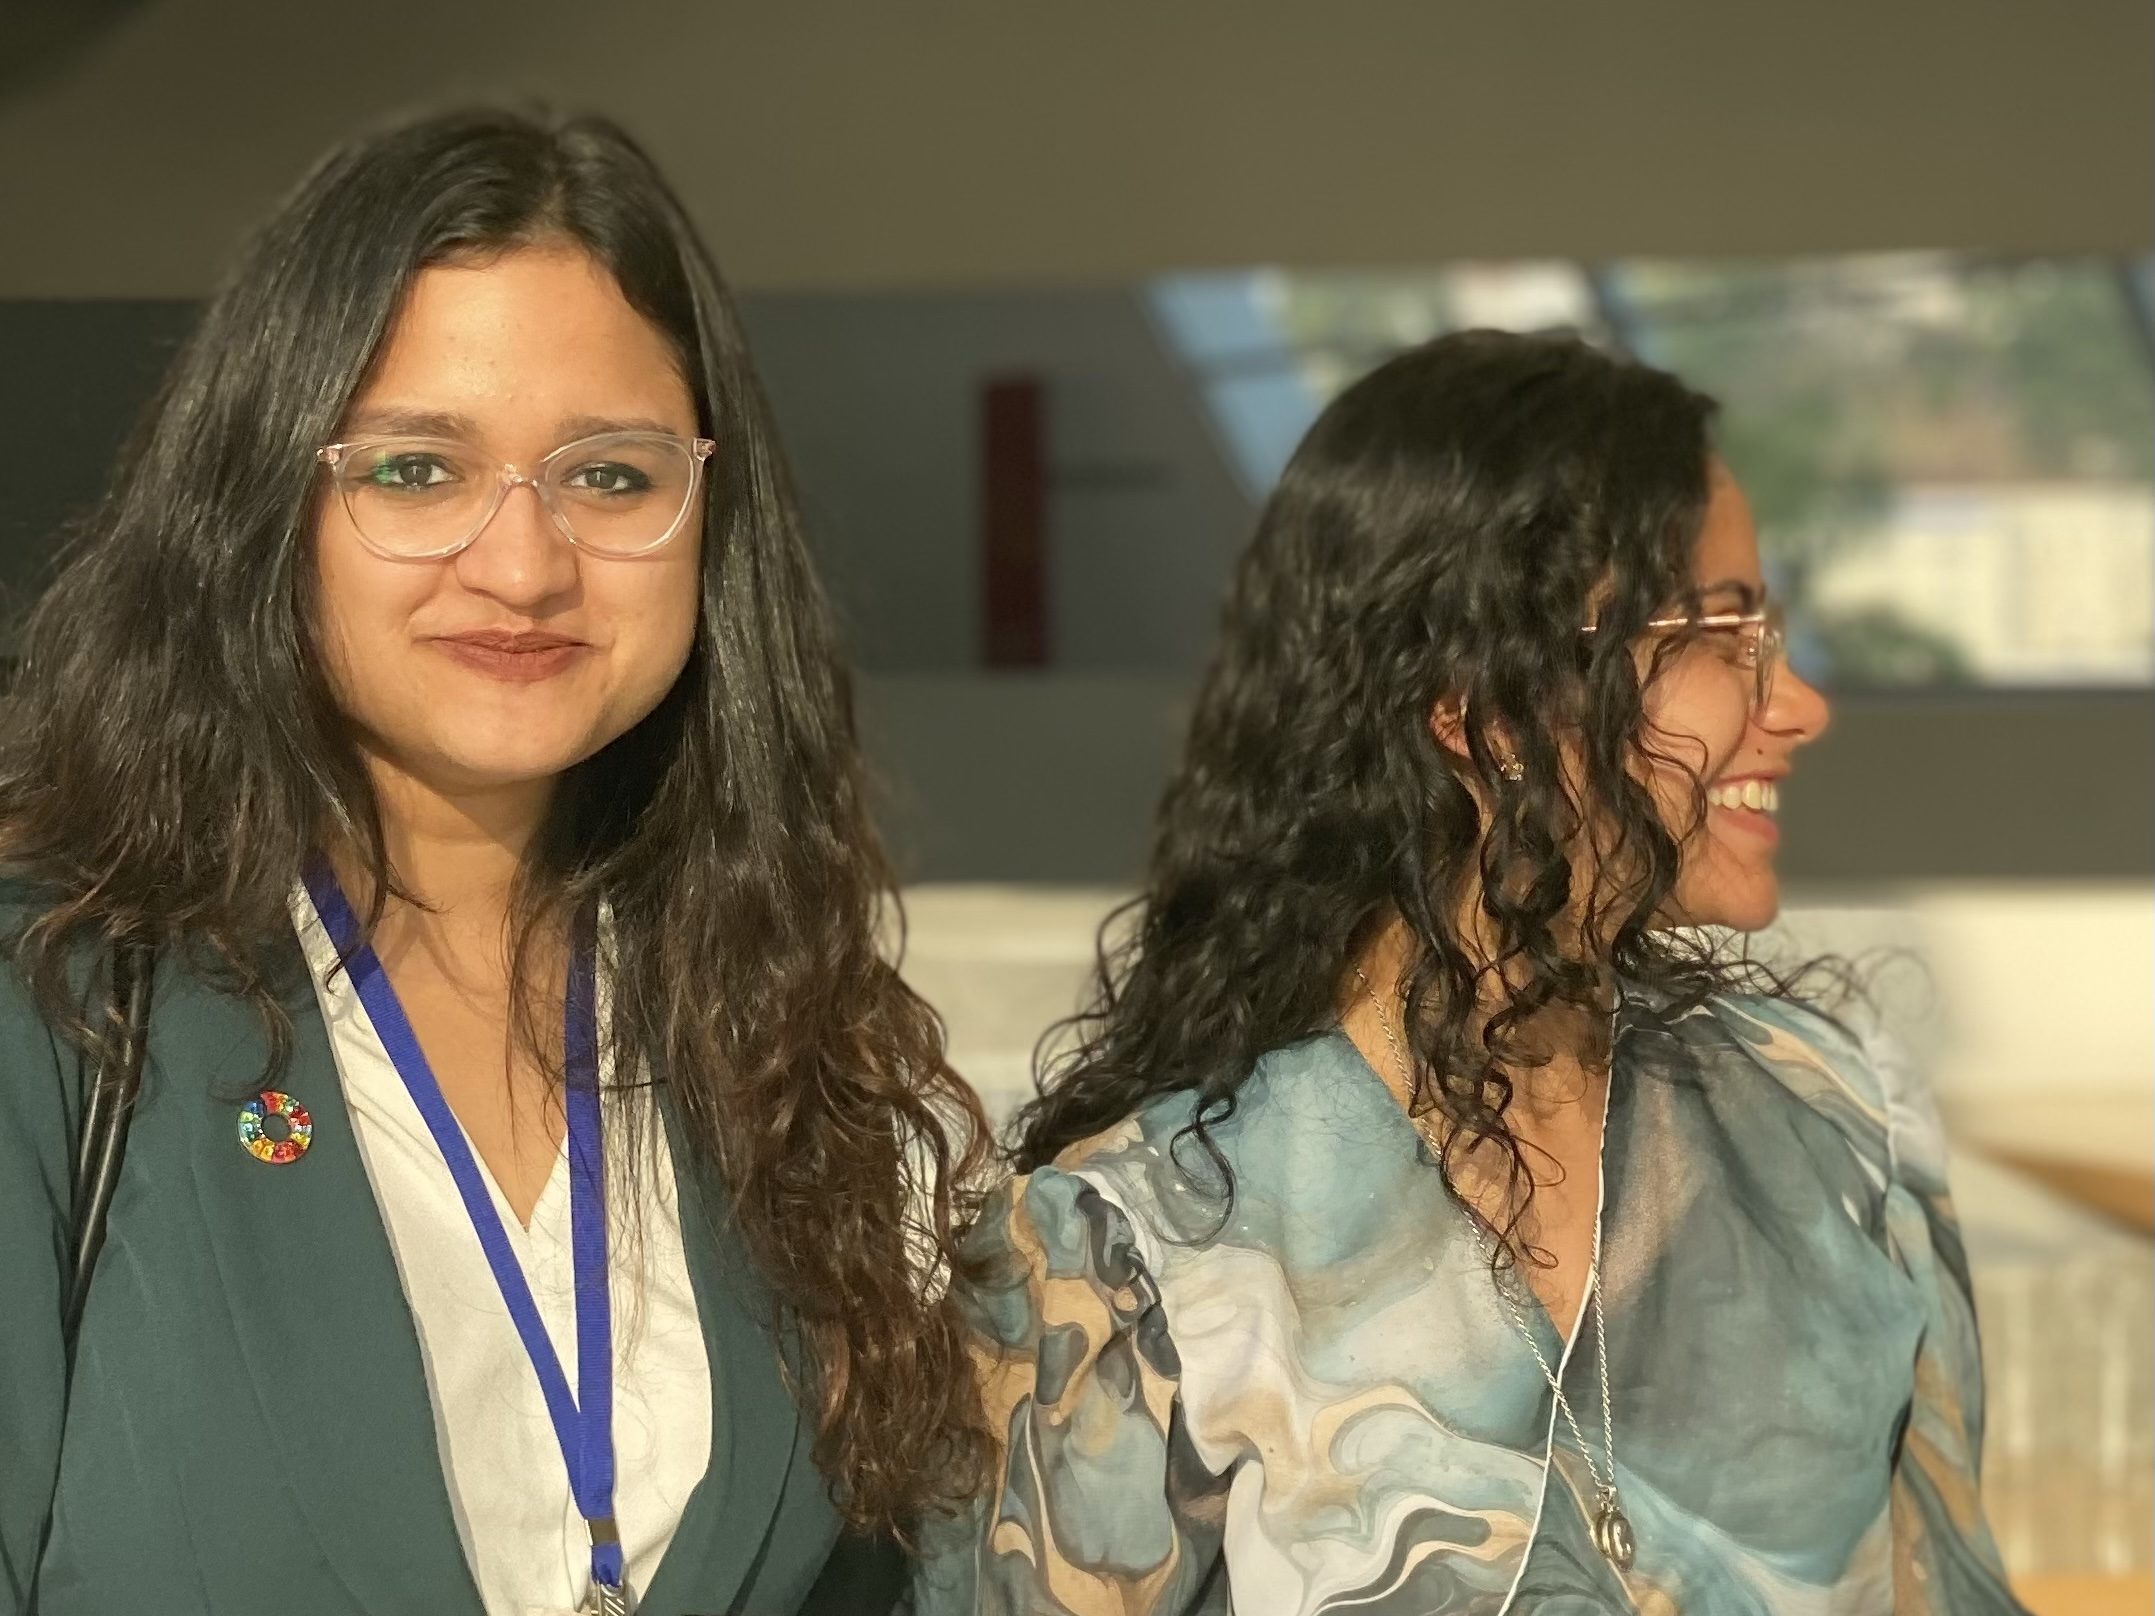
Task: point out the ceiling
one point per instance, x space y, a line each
832 144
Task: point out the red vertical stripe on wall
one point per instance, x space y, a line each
1014 523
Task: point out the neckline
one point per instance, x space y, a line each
1535 1309
757 1451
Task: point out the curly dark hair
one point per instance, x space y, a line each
1439 536
172 752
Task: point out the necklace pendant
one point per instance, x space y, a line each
1612 1532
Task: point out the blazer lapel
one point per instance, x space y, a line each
756 1427
318 1309
327 1341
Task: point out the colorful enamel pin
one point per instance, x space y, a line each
254 1128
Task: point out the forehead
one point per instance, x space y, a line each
1727 547
520 342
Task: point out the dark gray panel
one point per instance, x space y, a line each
74 376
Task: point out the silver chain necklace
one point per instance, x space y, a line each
1612 1527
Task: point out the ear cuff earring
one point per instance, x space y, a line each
1507 765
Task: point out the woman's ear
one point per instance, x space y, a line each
1448 723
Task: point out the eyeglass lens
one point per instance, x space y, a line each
617 494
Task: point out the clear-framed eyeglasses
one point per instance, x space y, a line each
1757 641
615 494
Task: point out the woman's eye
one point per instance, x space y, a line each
608 477
409 471
1732 644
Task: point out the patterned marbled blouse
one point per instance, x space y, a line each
1323 1405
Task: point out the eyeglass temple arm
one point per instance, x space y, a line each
1710 620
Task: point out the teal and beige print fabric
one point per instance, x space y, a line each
1320 1404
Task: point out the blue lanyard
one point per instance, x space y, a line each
585 1426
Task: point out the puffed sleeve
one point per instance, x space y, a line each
39 1099
1098 1507
1944 1559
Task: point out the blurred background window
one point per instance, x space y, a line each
1952 459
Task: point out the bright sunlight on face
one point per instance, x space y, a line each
521 654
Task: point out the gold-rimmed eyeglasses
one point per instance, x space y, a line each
424 499
1758 640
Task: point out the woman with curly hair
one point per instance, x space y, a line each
444 972
1426 1218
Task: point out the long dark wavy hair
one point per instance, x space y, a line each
171 754
1439 537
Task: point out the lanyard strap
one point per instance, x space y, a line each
584 1425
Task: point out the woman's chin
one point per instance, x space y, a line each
486 765
1746 911
1747 903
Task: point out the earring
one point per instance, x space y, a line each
1512 769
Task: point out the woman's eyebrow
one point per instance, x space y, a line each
415 423
590 426
423 423
1749 594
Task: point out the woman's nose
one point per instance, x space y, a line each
520 557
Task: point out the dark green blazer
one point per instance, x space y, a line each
248 1431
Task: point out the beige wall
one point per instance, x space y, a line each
836 142
1947 967
1053 778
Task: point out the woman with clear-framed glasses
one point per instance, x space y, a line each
462 1148
1434 1211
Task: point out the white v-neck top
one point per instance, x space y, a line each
527 1546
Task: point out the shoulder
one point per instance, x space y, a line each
1846 1065
22 900
1044 1243
39 1072
1309 1139
21 903
1798 1040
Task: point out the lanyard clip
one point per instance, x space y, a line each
607 1598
